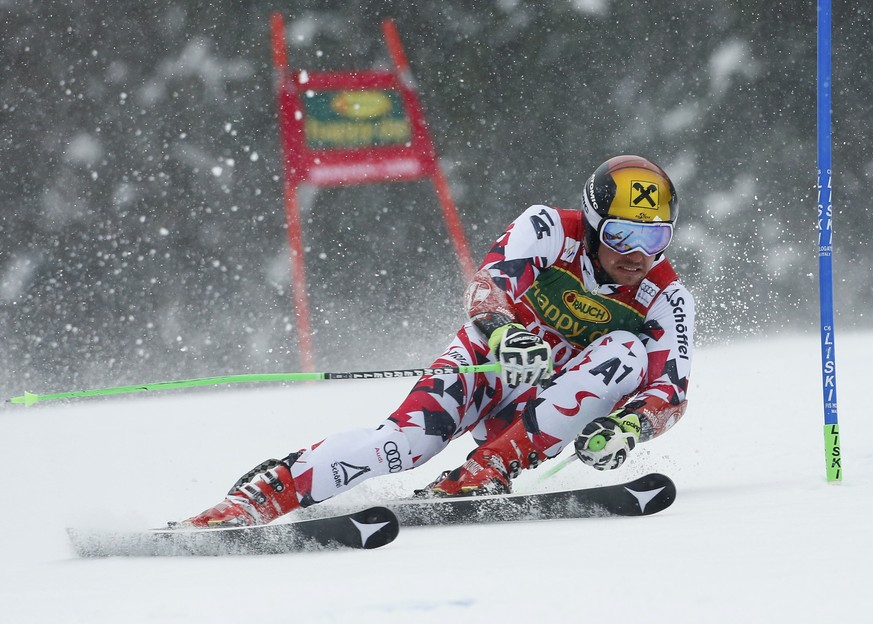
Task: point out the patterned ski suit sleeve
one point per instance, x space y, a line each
669 336
531 243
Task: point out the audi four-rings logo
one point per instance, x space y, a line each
392 454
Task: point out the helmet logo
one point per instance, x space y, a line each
645 192
589 194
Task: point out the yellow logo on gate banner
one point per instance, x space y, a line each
350 119
362 104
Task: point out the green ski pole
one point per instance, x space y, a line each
29 398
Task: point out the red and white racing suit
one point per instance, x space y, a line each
612 346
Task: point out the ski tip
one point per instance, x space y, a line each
378 526
653 492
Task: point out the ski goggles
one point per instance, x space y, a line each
627 236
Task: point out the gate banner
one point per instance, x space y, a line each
353 127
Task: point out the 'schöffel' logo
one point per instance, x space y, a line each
344 473
586 308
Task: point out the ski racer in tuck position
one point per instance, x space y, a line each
594 333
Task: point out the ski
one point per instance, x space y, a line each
641 497
370 528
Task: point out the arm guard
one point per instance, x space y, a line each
487 305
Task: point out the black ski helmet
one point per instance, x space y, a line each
630 188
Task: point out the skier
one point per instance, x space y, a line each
594 333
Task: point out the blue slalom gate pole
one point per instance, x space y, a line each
825 247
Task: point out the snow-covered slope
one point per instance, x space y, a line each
756 534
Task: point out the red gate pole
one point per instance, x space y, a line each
292 210
450 211
453 223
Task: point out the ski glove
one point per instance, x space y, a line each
605 442
524 357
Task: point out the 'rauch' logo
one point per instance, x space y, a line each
586 309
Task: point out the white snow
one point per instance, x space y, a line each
731 58
591 7
84 149
17 273
756 533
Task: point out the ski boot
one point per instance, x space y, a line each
258 497
490 468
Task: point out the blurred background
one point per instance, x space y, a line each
142 231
